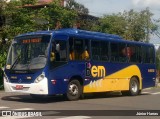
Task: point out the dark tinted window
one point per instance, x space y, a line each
100 50
134 53
151 55
148 54
122 52
118 52
79 49
60 50
96 50
104 51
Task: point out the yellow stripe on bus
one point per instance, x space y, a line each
114 82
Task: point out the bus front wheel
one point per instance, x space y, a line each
133 87
74 90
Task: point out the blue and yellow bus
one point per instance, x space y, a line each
74 62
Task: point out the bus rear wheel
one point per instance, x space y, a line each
133 87
74 90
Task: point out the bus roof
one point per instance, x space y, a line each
84 34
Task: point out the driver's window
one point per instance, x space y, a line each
59 51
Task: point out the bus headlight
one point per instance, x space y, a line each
40 78
5 78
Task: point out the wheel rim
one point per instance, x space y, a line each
134 87
73 89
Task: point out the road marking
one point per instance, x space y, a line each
3 107
24 109
75 117
155 93
145 93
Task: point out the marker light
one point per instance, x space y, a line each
53 82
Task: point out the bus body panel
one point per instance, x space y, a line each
27 81
148 75
96 76
117 78
62 79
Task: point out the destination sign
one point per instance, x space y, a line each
34 40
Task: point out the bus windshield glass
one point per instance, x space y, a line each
28 53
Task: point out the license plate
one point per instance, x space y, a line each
19 87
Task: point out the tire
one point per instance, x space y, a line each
133 88
74 90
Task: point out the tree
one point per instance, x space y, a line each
28 2
158 59
55 15
130 25
72 4
3 34
139 24
114 24
21 19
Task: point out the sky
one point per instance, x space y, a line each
100 7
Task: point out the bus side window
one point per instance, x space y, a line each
148 54
78 49
59 52
134 53
72 54
85 54
71 49
114 52
96 50
122 52
53 52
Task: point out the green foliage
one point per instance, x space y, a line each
72 4
28 2
21 19
1 79
158 58
158 62
130 25
114 24
55 13
3 56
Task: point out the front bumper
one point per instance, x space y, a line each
33 88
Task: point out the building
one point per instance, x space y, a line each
43 3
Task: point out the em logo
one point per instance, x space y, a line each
95 71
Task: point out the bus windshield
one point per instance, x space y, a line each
28 53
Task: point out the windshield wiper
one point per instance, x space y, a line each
15 62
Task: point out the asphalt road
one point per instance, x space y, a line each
148 100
